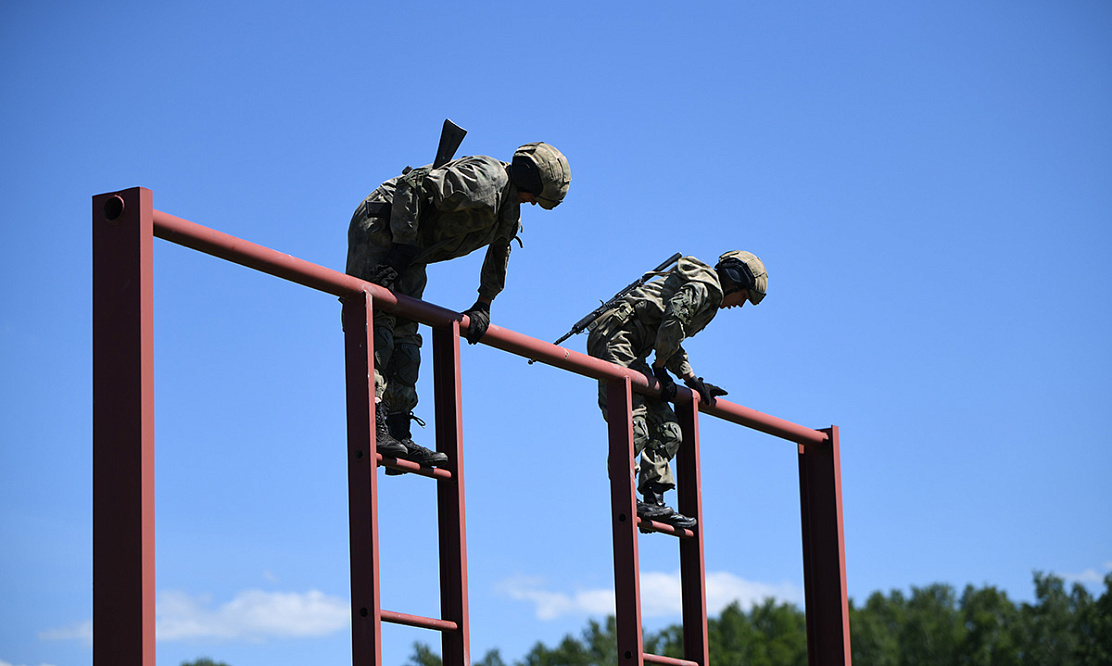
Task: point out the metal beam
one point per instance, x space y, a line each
245 253
359 351
452 522
692 568
623 503
824 553
123 429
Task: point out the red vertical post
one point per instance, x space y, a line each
824 553
123 429
452 522
692 578
623 503
359 351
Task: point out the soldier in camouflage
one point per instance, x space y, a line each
656 318
428 215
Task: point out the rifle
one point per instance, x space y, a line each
450 139
589 321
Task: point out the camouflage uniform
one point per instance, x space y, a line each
446 213
657 316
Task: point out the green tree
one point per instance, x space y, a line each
730 636
930 632
1048 624
1094 624
993 634
875 629
423 656
203 661
491 658
931 626
782 632
597 648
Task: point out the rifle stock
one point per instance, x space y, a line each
451 136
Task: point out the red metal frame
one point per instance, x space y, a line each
124 225
123 428
366 612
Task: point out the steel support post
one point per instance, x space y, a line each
366 612
824 557
623 502
692 578
452 522
123 429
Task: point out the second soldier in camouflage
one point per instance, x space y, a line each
654 320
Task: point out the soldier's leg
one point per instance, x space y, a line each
368 244
613 344
665 437
403 370
402 367
617 345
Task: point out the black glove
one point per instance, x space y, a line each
667 384
395 263
479 314
706 390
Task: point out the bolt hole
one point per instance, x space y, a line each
362 612
114 208
628 655
621 517
358 454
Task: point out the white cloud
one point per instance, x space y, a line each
660 595
82 631
551 605
1089 576
4 663
252 615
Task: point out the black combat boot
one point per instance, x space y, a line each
653 507
386 444
676 519
399 428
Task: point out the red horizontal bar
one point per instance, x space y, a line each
412 467
278 264
646 525
418 621
669 661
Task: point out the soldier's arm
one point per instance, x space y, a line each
492 279
681 310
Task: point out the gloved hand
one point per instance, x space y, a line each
395 263
667 384
479 314
707 391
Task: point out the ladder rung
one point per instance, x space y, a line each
646 525
410 466
418 621
669 661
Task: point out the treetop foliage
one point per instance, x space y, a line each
933 626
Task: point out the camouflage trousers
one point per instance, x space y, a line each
656 430
397 342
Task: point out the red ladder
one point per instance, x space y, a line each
367 615
626 525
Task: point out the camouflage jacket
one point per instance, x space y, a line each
668 311
454 210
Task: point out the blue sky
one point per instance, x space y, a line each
928 184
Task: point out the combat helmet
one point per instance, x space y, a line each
542 170
738 269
